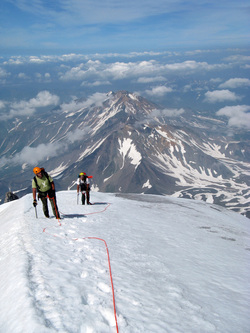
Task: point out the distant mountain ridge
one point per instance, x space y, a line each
129 145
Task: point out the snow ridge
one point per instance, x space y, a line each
177 265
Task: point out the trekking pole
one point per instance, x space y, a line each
36 212
77 198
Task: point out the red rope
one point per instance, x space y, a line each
100 211
55 207
110 273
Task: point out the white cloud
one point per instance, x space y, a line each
72 57
96 99
75 73
157 115
2 104
38 76
72 106
22 76
171 112
159 91
20 60
193 65
122 70
238 58
3 75
17 60
95 83
43 77
239 115
151 79
220 96
37 154
216 80
77 135
74 12
36 60
235 83
43 98
144 70
187 87
85 70
34 155
27 108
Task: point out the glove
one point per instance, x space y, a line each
35 203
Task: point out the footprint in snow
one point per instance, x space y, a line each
84 275
229 238
89 257
100 270
104 287
71 231
108 316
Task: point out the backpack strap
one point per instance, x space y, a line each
46 175
35 180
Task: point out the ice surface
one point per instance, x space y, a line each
177 265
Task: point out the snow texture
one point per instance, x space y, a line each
178 266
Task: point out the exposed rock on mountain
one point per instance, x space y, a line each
129 145
9 196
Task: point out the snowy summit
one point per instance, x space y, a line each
177 266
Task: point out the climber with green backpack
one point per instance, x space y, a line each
44 185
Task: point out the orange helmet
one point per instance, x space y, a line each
37 170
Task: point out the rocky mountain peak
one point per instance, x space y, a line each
131 103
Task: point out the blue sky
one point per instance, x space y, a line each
59 26
182 55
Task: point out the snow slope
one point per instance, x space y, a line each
178 266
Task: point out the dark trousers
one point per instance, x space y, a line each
83 197
43 196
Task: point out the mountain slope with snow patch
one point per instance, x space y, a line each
126 141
